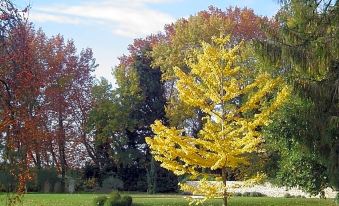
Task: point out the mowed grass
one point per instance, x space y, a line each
162 200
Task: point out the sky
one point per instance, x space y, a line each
109 26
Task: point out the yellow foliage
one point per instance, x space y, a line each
207 188
235 107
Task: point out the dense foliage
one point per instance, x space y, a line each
45 94
218 108
235 107
304 49
121 119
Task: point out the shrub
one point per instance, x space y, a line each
237 194
127 200
186 193
121 201
99 201
337 199
7 181
257 194
113 199
253 194
90 184
46 176
169 181
112 182
140 186
288 195
115 195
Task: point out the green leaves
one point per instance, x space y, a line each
304 51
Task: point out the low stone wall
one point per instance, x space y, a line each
270 190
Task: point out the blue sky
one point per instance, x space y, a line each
108 26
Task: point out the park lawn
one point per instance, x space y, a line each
162 200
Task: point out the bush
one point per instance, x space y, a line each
186 193
7 181
237 194
115 195
257 194
113 199
337 199
253 194
288 195
90 184
100 201
112 182
127 200
168 181
46 176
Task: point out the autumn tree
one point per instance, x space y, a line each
183 37
40 77
236 108
67 101
20 84
179 42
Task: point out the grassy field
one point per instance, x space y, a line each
162 200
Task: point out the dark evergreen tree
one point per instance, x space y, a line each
304 49
121 119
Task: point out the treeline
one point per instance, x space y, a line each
44 101
59 128
57 120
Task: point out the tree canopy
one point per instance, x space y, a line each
236 107
220 95
304 49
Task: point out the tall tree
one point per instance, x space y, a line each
20 84
35 73
121 118
305 50
67 100
183 37
236 108
147 102
104 123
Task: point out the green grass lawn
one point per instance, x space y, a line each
162 200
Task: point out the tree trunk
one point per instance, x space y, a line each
151 177
223 169
224 179
61 145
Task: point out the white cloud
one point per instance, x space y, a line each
130 18
46 17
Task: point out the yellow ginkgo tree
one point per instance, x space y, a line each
235 106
